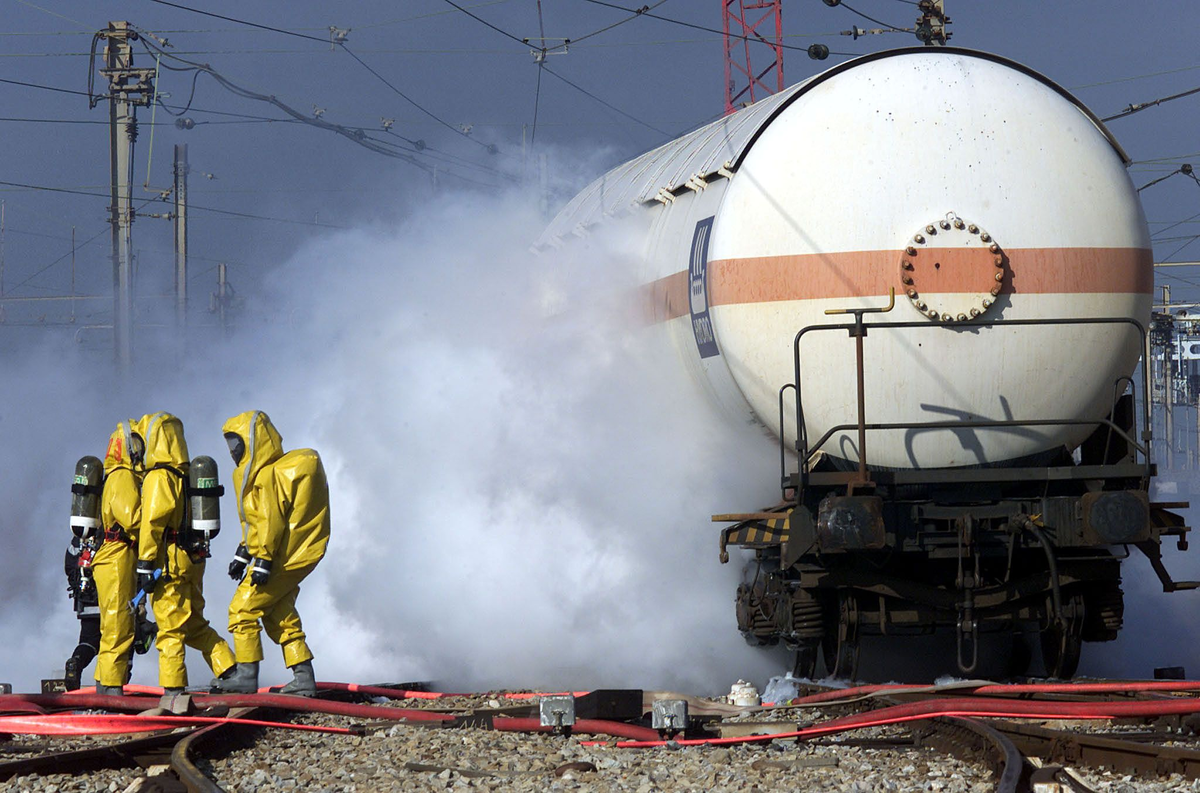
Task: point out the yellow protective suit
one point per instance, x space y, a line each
178 599
113 563
283 503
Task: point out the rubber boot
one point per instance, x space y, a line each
110 691
241 679
171 691
71 674
304 683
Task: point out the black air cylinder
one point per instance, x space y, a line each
206 497
85 497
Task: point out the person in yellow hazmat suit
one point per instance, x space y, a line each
283 503
113 563
177 594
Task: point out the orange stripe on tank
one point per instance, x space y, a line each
816 276
667 298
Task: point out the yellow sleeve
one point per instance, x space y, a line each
264 520
160 496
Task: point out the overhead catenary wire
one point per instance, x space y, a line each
1184 169
490 147
1140 106
610 106
242 21
705 28
483 21
637 13
44 87
353 135
873 19
191 206
239 118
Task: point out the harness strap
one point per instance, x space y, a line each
117 534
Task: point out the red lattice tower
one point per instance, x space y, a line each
747 30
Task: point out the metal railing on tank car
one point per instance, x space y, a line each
858 330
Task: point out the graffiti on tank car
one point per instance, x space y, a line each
706 342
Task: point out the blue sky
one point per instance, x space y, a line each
659 75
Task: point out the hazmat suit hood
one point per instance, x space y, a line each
165 444
264 445
120 444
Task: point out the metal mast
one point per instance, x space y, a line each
744 33
127 88
931 24
180 190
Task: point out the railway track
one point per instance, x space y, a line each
496 739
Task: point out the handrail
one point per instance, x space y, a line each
783 475
980 424
802 445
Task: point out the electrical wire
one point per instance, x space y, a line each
191 96
350 134
489 146
695 26
241 21
1136 77
637 13
483 21
424 16
541 65
44 87
537 97
588 93
54 14
1160 179
1137 108
46 267
876 21
191 206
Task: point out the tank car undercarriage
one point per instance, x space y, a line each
978 550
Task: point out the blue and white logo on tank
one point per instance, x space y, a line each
706 342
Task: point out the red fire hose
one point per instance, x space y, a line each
280 701
130 689
998 689
591 726
105 724
959 706
303 704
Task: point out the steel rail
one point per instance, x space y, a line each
1009 763
115 755
1102 751
195 780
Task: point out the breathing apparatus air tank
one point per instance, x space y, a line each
85 497
205 493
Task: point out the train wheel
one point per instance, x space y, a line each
1061 644
806 660
840 644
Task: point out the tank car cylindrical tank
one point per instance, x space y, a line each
974 187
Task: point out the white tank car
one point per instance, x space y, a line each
975 187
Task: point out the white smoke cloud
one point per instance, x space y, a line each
522 477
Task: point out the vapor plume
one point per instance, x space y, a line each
521 476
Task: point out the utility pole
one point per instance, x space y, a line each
222 299
180 192
931 24
1169 387
127 88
